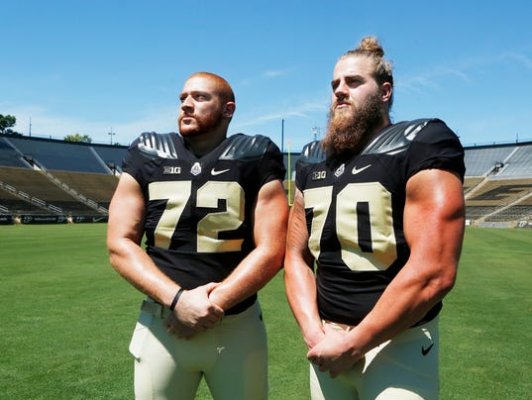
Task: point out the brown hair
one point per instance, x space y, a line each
370 47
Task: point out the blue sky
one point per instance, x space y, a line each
100 66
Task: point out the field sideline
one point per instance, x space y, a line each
67 318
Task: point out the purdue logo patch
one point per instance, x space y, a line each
196 169
340 170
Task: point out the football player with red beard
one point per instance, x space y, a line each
374 238
213 211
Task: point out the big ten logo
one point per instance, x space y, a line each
319 175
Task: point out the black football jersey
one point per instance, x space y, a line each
354 211
198 216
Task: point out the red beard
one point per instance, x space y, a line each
348 130
203 125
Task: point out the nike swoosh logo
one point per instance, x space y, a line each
359 170
214 172
426 351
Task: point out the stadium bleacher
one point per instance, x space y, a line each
60 155
112 156
49 177
498 185
480 161
77 180
9 156
519 165
470 182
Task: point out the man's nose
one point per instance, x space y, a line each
341 91
186 104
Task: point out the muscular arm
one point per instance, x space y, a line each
124 234
300 282
434 227
269 231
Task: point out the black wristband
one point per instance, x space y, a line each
176 298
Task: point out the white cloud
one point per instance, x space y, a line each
520 58
268 74
275 73
303 110
432 79
435 78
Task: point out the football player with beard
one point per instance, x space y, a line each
374 238
213 211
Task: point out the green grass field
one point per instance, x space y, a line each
67 317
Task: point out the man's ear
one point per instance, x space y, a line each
229 109
386 93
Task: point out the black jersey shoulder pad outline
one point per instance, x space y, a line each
312 153
157 145
397 137
244 147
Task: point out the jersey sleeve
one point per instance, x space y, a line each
271 166
132 161
136 163
312 153
301 174
438 147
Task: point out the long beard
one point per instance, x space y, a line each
348 130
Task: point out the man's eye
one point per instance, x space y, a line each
354 82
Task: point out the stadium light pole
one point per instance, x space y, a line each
316 132
282 135
111 134
289 180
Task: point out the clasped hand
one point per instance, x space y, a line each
332 352
194 313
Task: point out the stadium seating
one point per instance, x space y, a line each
60 155
520 164
9 157
498 184
482 160
35 188
46 176
97 187
471 182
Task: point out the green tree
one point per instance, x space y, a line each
77 137
6 121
